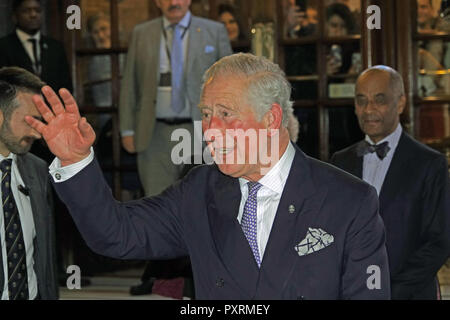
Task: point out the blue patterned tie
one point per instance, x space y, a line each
176 64
249 222
15 246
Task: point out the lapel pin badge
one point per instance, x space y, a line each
291 208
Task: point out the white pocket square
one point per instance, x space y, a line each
209 49
315 240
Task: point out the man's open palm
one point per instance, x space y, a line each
68 136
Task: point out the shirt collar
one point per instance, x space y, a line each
276 178
23 36
10 156
392 139
184 22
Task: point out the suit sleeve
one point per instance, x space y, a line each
365 268
423 265
149 228
129 95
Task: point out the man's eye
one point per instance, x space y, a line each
361 102
380 100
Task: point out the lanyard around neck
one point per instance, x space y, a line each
165 36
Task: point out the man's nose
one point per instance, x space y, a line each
371 106
212 129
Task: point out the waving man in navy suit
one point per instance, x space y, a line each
264 222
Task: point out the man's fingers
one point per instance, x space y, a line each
53 100
35 124
86 130
69 102
43 108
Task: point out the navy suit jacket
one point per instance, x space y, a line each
197 216
415 207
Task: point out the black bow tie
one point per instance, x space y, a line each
381 149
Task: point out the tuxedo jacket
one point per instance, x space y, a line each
414 205
208 42
197 216
55 69
34 173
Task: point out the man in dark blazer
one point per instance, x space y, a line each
411 180
275 225
27 48
27 258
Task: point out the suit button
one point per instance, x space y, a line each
220 282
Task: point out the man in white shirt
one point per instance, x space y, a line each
411 181
27 258
265 222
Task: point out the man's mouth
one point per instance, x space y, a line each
371 121
223 151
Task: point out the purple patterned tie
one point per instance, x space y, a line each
248 222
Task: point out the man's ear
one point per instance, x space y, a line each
401 104
2 118
274 117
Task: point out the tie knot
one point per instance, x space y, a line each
5 165
32 40
253 188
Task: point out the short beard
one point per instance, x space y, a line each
12 143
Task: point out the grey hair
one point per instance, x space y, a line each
266 82
396 80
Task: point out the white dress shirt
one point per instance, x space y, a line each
24 37
23 204
374 169
268 197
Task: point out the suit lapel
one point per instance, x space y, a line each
39 224
194 46
21 54
44 55
229 239
289 228
154 55
355 163
391 181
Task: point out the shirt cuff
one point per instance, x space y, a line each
127 133
61 174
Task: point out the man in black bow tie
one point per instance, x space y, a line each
411 180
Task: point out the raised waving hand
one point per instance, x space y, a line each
68 136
